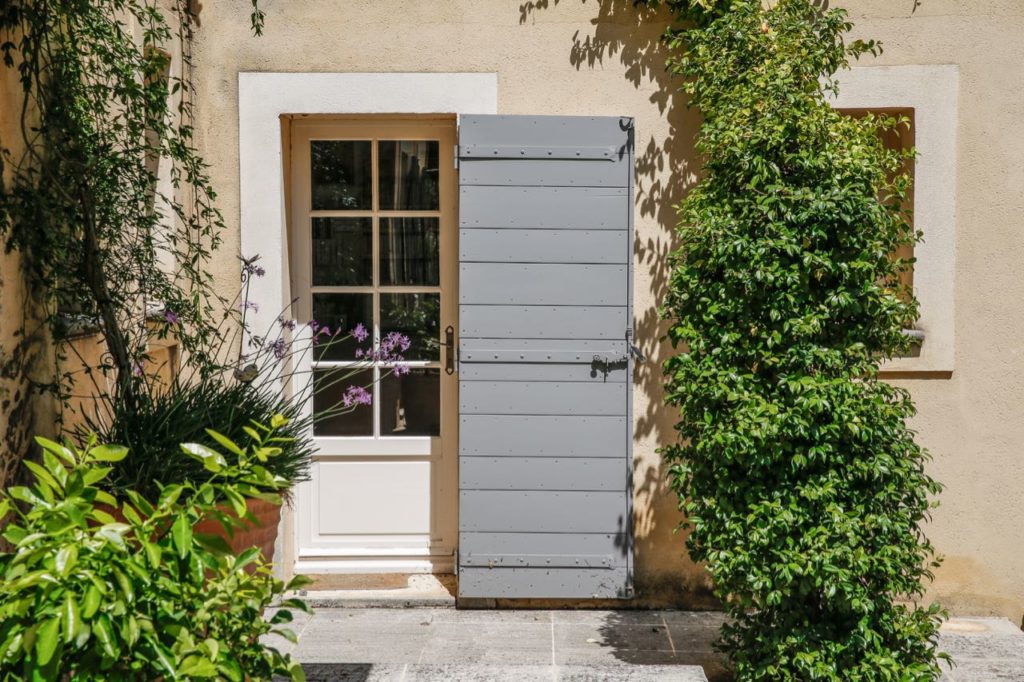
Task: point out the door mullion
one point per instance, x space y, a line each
375 249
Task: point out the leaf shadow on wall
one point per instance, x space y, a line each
628 37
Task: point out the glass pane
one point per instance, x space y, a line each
344 312
410 405
330 416
409 251
341 175
409 174
342 251
418 316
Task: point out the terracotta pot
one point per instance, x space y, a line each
261 534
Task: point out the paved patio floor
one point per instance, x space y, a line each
421 644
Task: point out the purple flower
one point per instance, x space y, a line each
360 352
360 333
286 324
250 305
395 339
402 369
249 267
279 347
170 316
137 368
356 395
390 350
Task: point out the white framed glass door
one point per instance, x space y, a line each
372 244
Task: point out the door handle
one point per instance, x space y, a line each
449 350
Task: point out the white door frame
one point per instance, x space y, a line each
263 98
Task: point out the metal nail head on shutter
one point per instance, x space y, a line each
545 389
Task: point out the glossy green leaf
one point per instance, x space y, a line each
104 631
71 618
181 532
67 556
95 475
225 442
296 672
42 475
197 667
108 453
91 602
212 460
246 558
47 639
56 448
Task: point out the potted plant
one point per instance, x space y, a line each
263 379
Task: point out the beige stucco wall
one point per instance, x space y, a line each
24 356
599 58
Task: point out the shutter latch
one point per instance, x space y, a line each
634 350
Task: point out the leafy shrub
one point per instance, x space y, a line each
153 428
85 596
804 488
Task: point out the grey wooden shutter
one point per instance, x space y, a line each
545 396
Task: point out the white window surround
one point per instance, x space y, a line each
264 97
933 93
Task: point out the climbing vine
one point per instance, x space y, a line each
804 488
109 206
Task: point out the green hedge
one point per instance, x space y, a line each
804 488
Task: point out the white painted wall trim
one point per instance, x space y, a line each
933 93
263 98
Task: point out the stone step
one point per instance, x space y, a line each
380 591
456 672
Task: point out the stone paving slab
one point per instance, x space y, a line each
428 644
983 650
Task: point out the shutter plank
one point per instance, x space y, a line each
541 511
544 246
542 436
541 173
541 371
542 284
557 208
542 322
614 545
572 350
542 473
541 398
541 131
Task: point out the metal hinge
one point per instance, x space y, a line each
456 156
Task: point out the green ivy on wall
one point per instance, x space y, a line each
105 244
804 489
